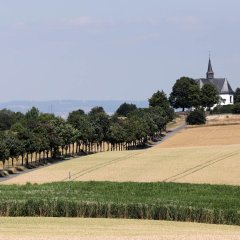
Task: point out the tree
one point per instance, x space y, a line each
31 117
96 110
125 108
196 117
185 94
209 96
159 99
6 119
74 116
100 122
237 96
4 152
14 146
236 108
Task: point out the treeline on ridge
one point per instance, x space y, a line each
41 136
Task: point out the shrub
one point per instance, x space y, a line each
196 117
223 109
236 108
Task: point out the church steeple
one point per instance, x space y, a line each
210 73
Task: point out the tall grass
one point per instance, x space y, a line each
159 201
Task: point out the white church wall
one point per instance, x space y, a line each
226 99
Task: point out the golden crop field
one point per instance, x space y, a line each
193 155
204 136
108 229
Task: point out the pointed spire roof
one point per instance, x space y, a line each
210 66
210 73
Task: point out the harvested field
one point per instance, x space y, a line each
223 119
109 229
204 136
218 165
194 155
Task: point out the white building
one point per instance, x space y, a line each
222 85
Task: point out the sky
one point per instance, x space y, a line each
113 49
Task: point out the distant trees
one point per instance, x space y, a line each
125 108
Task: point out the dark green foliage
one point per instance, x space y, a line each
159 99
74 116
196 117
236 108
48 136
222 109
209 96
125 108
185 94
159 201
237 96
7 118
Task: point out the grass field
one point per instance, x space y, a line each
109 229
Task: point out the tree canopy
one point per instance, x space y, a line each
185 94
125 108
209 96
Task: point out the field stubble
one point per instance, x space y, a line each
109 229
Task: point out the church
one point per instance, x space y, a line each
221 84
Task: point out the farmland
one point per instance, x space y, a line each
109 229
193 155
158 201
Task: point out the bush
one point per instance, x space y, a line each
223 109
196 117
236 108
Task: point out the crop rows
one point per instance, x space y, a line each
158 201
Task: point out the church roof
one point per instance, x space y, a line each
221 84
210 70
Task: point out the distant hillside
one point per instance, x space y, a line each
63 107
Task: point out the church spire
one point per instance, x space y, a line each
210 73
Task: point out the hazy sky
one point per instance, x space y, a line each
113 49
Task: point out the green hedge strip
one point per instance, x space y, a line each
158 201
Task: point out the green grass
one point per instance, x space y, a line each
160 201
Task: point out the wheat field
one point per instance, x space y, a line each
108 229
193 155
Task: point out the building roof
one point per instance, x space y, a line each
221 84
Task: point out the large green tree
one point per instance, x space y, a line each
185 94
159 99
209 96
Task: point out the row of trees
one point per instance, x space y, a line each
40 136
